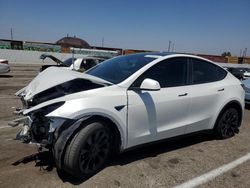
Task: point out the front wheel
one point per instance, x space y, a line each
88 150
228 123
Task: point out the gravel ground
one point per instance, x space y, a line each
166 164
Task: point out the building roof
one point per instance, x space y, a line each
73 42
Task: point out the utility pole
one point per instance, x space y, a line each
102 41
73 58
173 47
11 34
169 45
244 53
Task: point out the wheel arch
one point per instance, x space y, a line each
232 103
114 127
68 134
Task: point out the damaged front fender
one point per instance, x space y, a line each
62 137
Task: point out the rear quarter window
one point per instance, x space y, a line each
204 72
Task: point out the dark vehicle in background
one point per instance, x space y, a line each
247 91
80 63
237 72
246 72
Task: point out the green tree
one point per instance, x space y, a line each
224 54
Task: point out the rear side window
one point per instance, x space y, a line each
204 72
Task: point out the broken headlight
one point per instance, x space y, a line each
40 127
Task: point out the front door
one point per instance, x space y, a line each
155 115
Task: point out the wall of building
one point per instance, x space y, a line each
23 56
234 65
214 58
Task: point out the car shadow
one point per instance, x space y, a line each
167 145
247 106
147 151
6 76
44 159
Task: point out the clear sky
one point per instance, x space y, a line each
198 26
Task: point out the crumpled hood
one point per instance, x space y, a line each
54 76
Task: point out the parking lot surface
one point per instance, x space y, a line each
165 164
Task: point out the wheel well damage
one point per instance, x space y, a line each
65 134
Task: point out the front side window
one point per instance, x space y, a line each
169 73
204 72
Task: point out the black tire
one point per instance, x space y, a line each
228 123
88 151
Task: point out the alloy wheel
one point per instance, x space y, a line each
95 151
229 123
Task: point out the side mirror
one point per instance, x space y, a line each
150 84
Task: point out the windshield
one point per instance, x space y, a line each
68 62
117 69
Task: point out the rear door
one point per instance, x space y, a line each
154 115
207 91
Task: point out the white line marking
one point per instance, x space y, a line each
214 173
2 127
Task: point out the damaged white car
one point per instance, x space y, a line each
125 102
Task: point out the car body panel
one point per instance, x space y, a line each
151 115
85 103
54 76
207 100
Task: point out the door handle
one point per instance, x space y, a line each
182 95
221 89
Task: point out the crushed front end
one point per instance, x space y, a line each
36 127
44 94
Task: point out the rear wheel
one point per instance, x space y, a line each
228 123
88 150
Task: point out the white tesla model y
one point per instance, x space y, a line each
124 102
